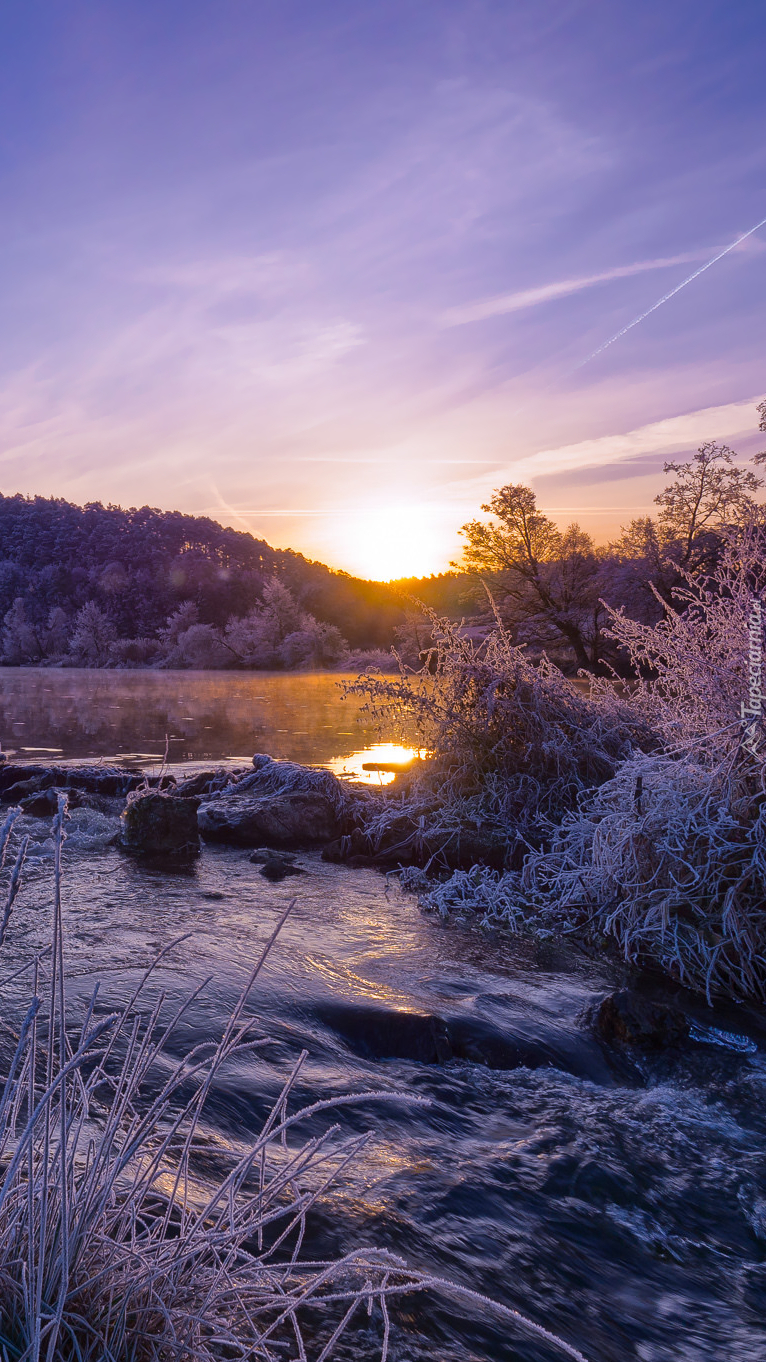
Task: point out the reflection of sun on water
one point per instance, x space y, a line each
390 754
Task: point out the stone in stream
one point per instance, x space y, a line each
275 866
44 803
626 1018
279 805
18 781
293 820
386 1033
158 824
390 1033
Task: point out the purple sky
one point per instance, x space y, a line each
330 271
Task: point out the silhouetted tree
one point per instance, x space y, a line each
547 583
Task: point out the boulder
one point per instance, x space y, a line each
278 805
298 819
16 781
627 1018
159 824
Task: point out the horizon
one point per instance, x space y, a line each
332 277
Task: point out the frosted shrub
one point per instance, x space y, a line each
92 637
693 665
668 858
660 849
515 741
495 896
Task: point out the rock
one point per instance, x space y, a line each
44 803
625 1018
159 824
204 782
276 868
263 854
17 781
301 819
384 1033
279 805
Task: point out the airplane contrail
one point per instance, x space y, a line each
673 292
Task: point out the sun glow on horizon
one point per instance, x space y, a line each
396 541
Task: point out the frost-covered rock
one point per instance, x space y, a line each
159 824
298 819
280 805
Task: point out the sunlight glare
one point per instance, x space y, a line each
379 754
393 542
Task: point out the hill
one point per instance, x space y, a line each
141 565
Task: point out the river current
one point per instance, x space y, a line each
619 1203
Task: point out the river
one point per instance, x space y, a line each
622 1206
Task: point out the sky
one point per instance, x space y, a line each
332 271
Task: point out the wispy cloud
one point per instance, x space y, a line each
677 432
531 297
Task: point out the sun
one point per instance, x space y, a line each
392 541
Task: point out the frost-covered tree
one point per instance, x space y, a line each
57 633
92 637
277 633
21 641
314 645
709 495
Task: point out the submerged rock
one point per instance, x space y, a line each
275 865
626 1018
385 1033
159 824
276 868
374 1032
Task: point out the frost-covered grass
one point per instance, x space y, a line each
112 1247
511 741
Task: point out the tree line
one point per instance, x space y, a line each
101 586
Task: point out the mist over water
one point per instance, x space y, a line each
78 714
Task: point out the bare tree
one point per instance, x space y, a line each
708 496
545 581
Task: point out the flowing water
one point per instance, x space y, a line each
620 1204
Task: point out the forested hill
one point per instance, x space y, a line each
141 565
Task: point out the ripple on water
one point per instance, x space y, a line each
626 1212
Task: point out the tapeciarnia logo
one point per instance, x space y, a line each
752 710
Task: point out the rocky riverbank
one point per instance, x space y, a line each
277 805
